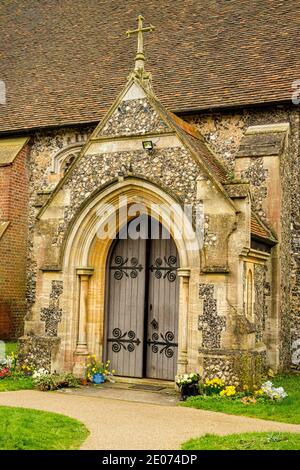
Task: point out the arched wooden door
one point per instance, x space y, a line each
142 308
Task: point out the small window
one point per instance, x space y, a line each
64 158
67 163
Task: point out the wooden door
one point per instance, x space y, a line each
142 308
162 312
126 305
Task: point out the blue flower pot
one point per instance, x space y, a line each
98 379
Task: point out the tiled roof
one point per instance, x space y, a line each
206 155
260 230
64 62
193 137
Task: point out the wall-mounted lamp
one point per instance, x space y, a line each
148 145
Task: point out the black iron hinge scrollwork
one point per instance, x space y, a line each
166 341
119 340
168 271
120 267
154 324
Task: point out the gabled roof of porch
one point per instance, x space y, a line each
261 231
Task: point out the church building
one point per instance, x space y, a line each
165 235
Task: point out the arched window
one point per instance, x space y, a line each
63 159
67 163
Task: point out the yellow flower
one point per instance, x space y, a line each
228 391
216 382
113 371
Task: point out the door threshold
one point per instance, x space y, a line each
145 381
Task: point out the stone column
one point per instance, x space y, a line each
81 345
184 277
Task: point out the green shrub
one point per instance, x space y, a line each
68 380
55 381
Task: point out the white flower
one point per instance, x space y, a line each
186 379
272 392
39 373
267 384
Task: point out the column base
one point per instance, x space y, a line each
80 360
81 350
182 364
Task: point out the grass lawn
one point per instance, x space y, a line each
10 384
10 347
246 441
24 429
288 411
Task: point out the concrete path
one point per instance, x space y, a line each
116 424
126 392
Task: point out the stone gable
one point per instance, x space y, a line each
133 117
172 169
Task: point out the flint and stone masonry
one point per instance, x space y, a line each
230 308
239 286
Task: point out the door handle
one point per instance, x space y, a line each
150 307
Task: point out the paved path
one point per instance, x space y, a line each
116 424
125 392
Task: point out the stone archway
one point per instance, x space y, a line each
84 268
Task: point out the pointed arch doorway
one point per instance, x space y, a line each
142 293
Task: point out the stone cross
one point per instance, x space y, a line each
52 315
210 323
140 56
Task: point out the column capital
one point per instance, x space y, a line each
183 272
88 271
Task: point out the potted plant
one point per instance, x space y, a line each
188 384
97 371
98 378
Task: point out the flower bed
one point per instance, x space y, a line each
266 392
9 367
14 376
277 400
215 394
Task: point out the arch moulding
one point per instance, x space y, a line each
84 269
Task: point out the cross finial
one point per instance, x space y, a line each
140 55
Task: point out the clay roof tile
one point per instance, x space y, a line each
65 62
